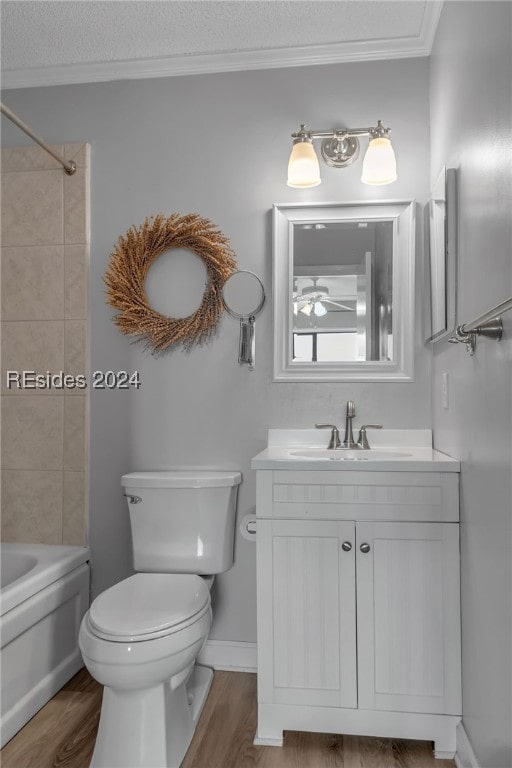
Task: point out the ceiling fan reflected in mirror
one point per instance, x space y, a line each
313 298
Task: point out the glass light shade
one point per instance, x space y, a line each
306 309
303 167
320 310
379 164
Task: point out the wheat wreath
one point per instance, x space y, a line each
129 265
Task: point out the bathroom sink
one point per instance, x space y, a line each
347 455
395 450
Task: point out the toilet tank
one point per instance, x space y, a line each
182 521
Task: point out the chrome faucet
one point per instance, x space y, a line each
348 441
334 442
362 440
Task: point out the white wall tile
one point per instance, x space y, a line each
32 208
32 432
32 346
32 506
33 282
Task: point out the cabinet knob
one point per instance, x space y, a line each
365 548
346 546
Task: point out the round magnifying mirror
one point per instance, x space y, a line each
243 294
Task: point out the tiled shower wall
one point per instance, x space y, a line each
45 251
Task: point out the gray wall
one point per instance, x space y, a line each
471 130
219 145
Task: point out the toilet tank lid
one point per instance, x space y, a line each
181 478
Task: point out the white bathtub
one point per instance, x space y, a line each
45 593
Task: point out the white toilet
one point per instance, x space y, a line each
141 637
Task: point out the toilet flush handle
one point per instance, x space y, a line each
132 499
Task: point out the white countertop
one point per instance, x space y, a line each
410 450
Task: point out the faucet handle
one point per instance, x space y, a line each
362 440
335 441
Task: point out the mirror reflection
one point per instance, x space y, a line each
342 297
243 294
443 228
344 291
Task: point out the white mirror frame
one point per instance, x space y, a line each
402 215
443 256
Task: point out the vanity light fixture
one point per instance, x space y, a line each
339 149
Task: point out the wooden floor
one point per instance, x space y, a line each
62 735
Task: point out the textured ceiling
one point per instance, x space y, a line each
46 34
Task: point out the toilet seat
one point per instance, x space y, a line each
149 605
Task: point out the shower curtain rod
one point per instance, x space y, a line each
68 165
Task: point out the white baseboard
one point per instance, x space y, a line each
233 656
267 742
465 757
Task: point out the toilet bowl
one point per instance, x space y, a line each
141 638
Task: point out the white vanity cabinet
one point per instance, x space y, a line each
358 604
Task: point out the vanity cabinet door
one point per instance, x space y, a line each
408 617
306 613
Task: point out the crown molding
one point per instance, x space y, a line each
231 61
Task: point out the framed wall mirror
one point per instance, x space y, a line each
343 292
443 255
